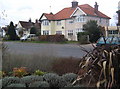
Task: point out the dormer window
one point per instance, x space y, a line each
45 22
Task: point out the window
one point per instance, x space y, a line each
70 32
58 22
46 32
71 21
113 31
59 32
79 30
45 22
80 18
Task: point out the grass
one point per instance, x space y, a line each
46 42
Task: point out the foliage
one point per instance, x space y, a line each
101 67
11 32
52 38
2 74
16 85
33 30
69 77
83 37
54 80
40 84
10 80
29 79
38 72
93 30
19 72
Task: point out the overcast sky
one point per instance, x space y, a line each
23 10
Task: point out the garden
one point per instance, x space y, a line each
99 68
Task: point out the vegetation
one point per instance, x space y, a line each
33 30
83 37
11 32
94 31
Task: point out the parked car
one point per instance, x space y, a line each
108 41
28 37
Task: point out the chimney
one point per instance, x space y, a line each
96 7
74 4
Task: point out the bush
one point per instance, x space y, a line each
52 38
29 79
38 72
82 37
54 80
66 65
69 77
10 80
16 85
41 84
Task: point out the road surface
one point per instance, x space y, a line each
57 50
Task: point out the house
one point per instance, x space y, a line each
69 21
23 27
111 31
2 32
114 30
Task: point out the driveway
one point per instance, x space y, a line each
57 50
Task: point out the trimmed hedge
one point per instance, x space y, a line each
52 38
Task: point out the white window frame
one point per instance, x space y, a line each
45 22
70 33
71 21
59 32
46 32
58 22
80 18
79 30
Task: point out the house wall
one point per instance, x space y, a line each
100 21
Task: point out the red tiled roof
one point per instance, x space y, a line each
90 11
67 12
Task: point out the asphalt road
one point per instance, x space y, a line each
57 50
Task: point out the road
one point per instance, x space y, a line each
57 50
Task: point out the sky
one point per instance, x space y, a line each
23 10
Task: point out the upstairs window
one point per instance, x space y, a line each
80 18
71 21
45 22
58 22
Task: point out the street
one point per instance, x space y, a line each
57 50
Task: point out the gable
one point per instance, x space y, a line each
77 12
43 17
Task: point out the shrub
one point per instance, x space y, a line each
69 77
82 37
10 80
29 79
19 72
66 65
16 85
54 80
52 38
38 72
41 84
